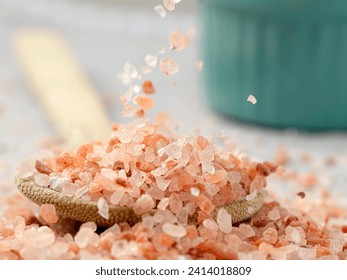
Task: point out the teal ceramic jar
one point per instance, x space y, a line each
290 54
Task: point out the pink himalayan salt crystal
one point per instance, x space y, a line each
210 224
168 66
178 40
270 235
252 99
274 215
234 177
160 10
175 203
251 196
144 204
84 237
174 230
48 213
163 204
103 208
162 183
116 197
247 230
26 169
204 204
149 154
90 225
307 253
173 150
198 65
295 235
216 177
224 221
151 60
41 180
211 189
129 74
280 170
169 5
41 237
194 191
145 102
126 97
108 173
57 184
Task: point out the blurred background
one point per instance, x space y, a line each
103 36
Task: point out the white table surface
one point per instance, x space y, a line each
106 36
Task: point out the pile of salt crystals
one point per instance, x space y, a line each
146 166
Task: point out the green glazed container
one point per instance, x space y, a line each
290 54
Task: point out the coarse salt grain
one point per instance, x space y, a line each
252 99
198 65
295 235
148 87
210 224
41 180
145 102
161 50
168 66
194 191
151 60
163 204
144 204
178 231
103 208
270 235
48 213
169 5
274 214
84 236
178 40
224 221
160 10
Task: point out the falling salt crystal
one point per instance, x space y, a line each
168 66
178 41
84 236
169 5
198 65
137 89
224 221
129 74
194 191
145 102
252 99
280 170
143 204
103 208
48 213
128 111
151 60
126 97
192 32
162 205
210 224
174 230
41 180
160 10
251 196
161 50
116 197
162 183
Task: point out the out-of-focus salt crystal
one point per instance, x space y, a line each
162 183
103 208
149 154
191 32
48 213
41 180
19 226
198 65
247 230
224 221
207 155
26 169
137 89
234 177
129 74
122 249
270 235
144 204
210 224
161 50
163 204
178 231
108 173
194 191
307 253
160 10
90 225
86 177
116 197
280 170
295 235
146 70
45 237
274 214
145 102
151 60
169 5
126 97
84 236
251 196
57 183
252 99
128 111
216 177
69 189
175 203
176 1
178 40
168 66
